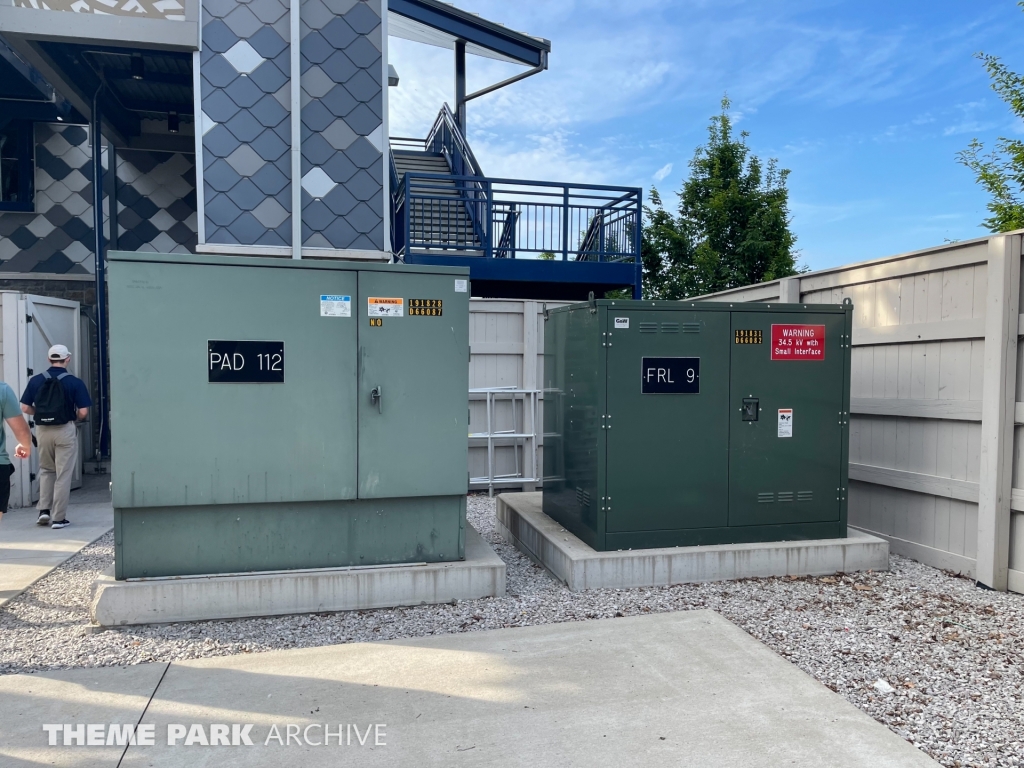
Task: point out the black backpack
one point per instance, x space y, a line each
52 405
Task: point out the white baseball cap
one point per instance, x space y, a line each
58 352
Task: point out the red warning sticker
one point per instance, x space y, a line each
798 342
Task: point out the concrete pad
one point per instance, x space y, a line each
29 551
196 598
682 689
522 523
110 695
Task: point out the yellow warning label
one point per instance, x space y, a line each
384 307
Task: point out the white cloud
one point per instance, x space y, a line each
662 172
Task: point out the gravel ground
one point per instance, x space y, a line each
930 655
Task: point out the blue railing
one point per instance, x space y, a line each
507 218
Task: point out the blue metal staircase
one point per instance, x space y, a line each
520 238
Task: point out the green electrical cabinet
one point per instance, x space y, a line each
677 424
273 414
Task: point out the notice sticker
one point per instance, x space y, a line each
461 286
621 323
378 307
798 342
335 306
785 422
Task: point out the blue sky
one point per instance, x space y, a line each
867 103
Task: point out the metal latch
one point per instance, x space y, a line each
376 398
750 409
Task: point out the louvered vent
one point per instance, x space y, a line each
785 495
582 497
805 495
691 327
648 327
670 327
765 498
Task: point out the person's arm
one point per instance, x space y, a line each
28 409
82 413
20 429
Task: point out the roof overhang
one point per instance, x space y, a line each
440 24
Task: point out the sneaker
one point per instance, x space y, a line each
44 517
61 524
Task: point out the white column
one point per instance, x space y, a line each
295 59
998 395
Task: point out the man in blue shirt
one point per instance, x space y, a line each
58 439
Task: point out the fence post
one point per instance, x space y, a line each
789 290
489 221
997 411
530 351
408 219
565 223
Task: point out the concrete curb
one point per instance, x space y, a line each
198 598
522 523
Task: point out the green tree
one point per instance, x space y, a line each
732 226
1001 172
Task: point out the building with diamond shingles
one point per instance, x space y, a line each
260 128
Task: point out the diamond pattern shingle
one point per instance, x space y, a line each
243 22
246 229
316 150
246 195
339 67
269 145
362 120
244 92
316 116
244 126
362 19
363 53
245 160
317 183
268 111
339 101
270 213
267 43
243 57
217 37
338 33
268 77
219 72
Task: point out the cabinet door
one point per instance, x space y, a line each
784 467
413 385
189 428
668 375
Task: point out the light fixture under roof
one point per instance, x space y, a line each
138 67
172 122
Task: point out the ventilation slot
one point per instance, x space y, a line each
805 495
691 327
582 498
785 495
648 327
765 498
670 327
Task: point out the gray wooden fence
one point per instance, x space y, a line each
937 400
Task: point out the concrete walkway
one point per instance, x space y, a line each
679 689
29 551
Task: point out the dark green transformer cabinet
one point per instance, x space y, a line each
270 414
676 424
